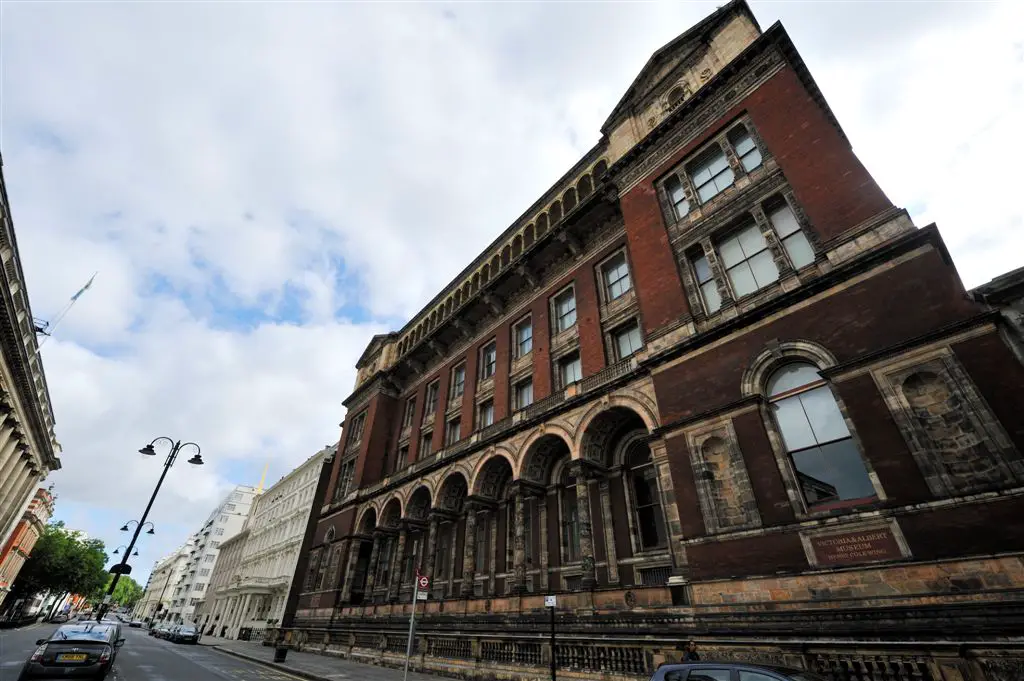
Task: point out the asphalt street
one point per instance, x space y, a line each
143 658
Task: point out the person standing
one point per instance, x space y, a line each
691 654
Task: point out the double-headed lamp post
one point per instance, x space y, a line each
148 450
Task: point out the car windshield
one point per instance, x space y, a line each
83 632
187 630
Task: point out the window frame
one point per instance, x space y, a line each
410 412
457 388
430 398
741 226
492 346
516 388
557 327
621 329
449 440
488 403
566 360
603 271
517 343
427 439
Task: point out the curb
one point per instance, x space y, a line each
271 665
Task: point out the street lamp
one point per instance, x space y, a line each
123 567
122 546
151 530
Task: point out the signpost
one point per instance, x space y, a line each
550 602
421 587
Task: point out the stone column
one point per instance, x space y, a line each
430 559
673 525
15 498
542 519
371 568
350 570
469 551
396 566
492 560
519 543
588 578
18 457
7 442
609 532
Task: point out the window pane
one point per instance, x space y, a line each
792 419
784 221
707 192
742 279
823 414
791 377
628 341
799 249
675 189
751 241
764 268
742 142
833 472
703 270
755 676
712 299
731 252
751 159
709 675
724 179
571 370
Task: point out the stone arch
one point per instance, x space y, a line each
529 235
542 224
368 521
391 514
467 290
772 358
485 275
418 505
555 212
506 256
452 492
540 451
517 246
604 430
638 403
600 168
475 284
495 265
569 199
584 187
492 474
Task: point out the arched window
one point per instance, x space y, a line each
828 465
570 517
642 480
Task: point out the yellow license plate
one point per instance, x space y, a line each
72 657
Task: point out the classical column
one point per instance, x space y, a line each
587 578
659 455
469 551
15 496
396 566
542 519
18 457
8 441
492 560
431 560
371 568
519 543
350 571
336 578
609 532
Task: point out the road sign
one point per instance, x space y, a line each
550 601
421 595
424 582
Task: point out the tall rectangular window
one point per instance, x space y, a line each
485 414
425 443
798 248
356 429
747 261
410 410
569 369
746 149
430 404
711 173
453 432
565 310
706 281
616 276
628 340
524 337
482 530
402 459
488 360
459 380
677 196
524 394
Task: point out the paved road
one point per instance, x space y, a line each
143 658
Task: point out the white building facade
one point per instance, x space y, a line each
203 547
155 603
252 589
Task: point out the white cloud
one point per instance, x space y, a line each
354 157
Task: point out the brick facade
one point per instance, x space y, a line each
780 462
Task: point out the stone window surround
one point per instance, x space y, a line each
428 416
618 471
525 319
553 312
942 361
611 332
696 437
753 384
604 299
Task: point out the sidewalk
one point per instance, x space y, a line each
309 665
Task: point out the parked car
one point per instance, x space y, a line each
74 651
59 618
185 634
135 624
727 671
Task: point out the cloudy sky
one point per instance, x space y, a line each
263 186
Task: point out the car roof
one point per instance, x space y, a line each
79 631
709 664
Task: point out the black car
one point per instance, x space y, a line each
185 634
728 671
86 649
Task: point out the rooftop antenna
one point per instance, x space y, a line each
45 329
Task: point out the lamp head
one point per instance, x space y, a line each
117 551
124 528
148 450
196 460
150 531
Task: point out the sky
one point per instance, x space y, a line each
264 186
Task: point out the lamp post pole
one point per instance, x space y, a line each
176 446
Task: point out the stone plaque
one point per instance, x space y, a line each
862 546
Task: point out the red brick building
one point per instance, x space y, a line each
711 385
26 533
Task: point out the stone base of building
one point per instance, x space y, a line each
939 621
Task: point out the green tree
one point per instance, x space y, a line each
62 562
126 594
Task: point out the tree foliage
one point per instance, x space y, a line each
127 592
62 562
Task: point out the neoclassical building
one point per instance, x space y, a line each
26 533
712 385
28 446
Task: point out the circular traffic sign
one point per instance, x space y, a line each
424 582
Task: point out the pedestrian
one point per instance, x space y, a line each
691 652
